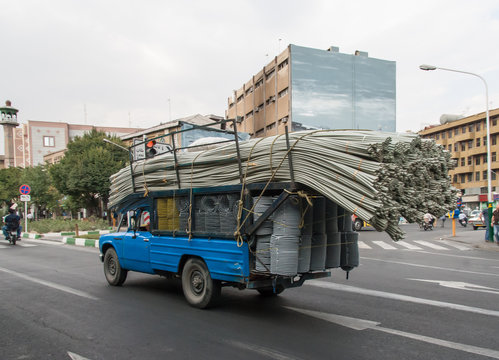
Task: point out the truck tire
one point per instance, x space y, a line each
115 274
269 291
357 225
200 290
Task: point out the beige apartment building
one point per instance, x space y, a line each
466 140
305 88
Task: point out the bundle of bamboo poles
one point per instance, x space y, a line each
377 176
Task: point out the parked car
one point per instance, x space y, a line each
476 220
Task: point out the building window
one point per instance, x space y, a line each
283 92
231 105
470 160
259 132
48 141
249 90
283 64
463 129
493 156
485 159
437 136
463 178
478 124
249 114
270 74
455 147
485 141
450 147
456 131
494 140
454 179
449 134
484 175
471 127
463 161
478 142
477 176
494 122
240 98
470 144
270 100
463 146
271 126
443 135
259 83
260 107
493 175
470 177
477 160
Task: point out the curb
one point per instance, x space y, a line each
30 236
80 242
72 233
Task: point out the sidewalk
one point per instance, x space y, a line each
475 238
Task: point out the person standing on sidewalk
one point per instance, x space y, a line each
495 221
485 218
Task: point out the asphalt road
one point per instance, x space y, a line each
439 302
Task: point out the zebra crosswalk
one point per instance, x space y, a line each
415 245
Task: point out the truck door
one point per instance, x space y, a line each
136 244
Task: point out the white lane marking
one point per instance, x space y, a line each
456 245
408 245
430 245
431 267
74 356
363 245
47 242
26 245
361 324
400 297
50 284
4 246
273 354
462 286
457 256
384 245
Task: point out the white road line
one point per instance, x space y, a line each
50 284
430 245
385 245
400 297
26 245
431 267
4 246
361 324
261 351
74 356
456 245
363 245
408 245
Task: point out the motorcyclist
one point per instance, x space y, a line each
463 219
12 222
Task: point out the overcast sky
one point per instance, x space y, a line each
123 60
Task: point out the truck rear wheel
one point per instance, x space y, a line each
357 225
115 274
200 290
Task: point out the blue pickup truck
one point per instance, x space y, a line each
215 237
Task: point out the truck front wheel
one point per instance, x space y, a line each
115 274
200 290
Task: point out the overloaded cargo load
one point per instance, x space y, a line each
377 176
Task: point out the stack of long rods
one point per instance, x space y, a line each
377 176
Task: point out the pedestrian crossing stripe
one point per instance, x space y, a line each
406 245
430 245
385 245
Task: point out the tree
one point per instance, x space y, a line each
10 181
43 193
83 174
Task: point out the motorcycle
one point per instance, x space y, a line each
12 236
463 220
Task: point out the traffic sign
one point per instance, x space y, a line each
25 189
25 197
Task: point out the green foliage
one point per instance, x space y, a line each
43 193
83 174
10 181
61 225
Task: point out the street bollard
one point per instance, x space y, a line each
76 230
453 227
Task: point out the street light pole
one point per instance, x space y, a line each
487 124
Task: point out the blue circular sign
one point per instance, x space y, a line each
25 189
